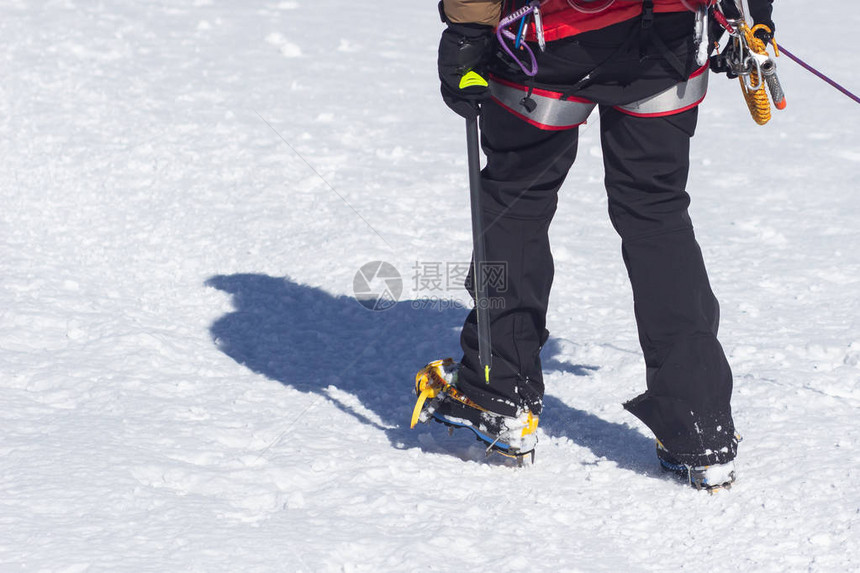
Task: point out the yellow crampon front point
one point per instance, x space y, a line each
430 381
419 404
756 96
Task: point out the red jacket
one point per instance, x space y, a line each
561 18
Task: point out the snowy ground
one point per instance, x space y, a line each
188 188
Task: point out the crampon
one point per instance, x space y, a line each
439 400
711 478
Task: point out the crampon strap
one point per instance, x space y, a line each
430 382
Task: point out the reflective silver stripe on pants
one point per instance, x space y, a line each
551 112
677 98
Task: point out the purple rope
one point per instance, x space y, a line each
815 72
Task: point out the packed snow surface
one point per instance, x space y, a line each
188 189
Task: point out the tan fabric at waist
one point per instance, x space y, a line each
473 11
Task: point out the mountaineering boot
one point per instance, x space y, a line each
441 401
712 477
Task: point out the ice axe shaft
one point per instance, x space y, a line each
479 253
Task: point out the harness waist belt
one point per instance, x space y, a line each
553 111
678 98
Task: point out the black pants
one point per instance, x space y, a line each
646 161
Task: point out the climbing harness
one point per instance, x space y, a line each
554 110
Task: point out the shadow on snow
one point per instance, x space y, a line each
310 340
